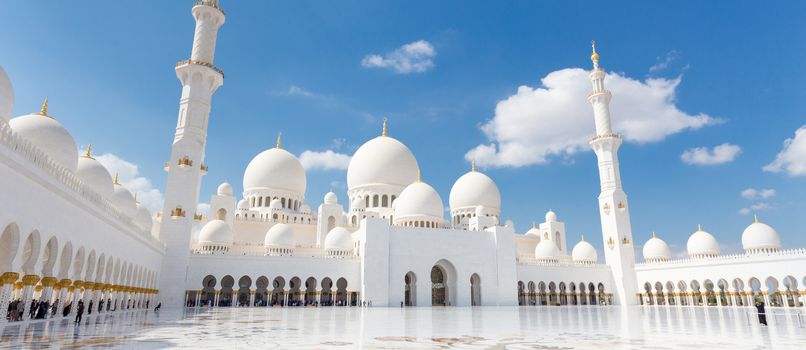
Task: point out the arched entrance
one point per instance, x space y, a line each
443 284
244 283
208 290
278 292
225 296
262 285
410 297
327 292
475 290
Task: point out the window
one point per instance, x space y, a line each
384 201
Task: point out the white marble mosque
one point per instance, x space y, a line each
71 232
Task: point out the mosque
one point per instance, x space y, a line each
71 231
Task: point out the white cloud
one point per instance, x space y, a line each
130 178
792 158
754 208
724 153
664 62
327 160
752 193
555 120
416 57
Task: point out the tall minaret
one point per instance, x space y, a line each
200 79
613 207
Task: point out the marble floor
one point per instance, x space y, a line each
417 328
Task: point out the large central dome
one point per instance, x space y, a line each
275 169
382 160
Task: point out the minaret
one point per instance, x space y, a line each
200 79
613 208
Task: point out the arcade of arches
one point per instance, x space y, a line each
553 293
724 292
280 291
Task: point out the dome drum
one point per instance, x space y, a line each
376 196
262 198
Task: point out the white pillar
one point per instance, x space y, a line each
29 281
251 298
7 280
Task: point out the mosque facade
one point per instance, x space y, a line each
72 232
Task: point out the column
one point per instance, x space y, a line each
215 298
29 281
198 297
318 297
47 288
7 280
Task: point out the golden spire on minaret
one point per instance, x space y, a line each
383 133
594 55
117 179
88 154
44 111
279 134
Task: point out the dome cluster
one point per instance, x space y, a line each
757 238
46 134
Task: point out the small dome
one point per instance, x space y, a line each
358 204
760 237
6 96
533 232
418 199
701 244
216 231
280 236
95 175
305 208
243 204
656 249
275 169
382 160
276 204
225 189
474 189
143 218
339 239
124 200
551 216
584 252
331 198
546 250
49 136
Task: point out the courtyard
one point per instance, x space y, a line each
581 327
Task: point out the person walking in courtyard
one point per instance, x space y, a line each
156 309
79 312
762 316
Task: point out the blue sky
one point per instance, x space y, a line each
730 75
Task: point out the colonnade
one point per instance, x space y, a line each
66 294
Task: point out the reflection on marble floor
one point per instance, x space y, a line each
417 328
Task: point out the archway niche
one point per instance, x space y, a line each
443 284
410 289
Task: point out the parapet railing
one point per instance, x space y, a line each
725 258
525 260
255 249
201 63
29 151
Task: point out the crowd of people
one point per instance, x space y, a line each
42 309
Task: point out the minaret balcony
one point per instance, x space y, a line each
203 168
189 62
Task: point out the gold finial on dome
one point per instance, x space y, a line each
135 198
88 154
534 225
653 234
383 133
279 134
419 176
117 179
582 238
473 166
594 55
699 227
755 218
44 111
